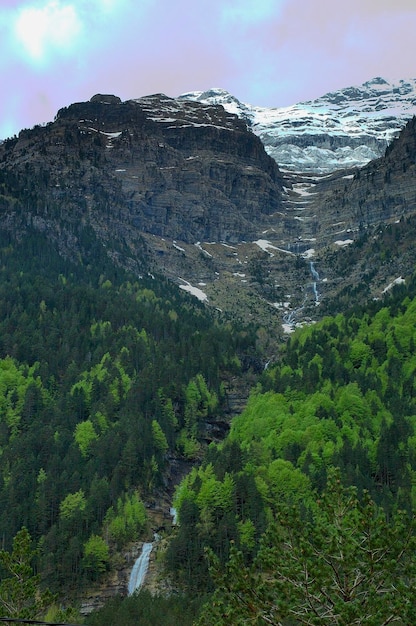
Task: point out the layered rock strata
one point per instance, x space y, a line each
181 170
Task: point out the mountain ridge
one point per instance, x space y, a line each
177 170
341 129
186 189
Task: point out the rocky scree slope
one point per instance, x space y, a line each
341 129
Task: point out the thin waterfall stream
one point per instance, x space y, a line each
290 317
141 565
316 279
139 571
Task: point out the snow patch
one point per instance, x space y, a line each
112 135
195 291
397 281
288 329
308 254
341 129
265 245
198 245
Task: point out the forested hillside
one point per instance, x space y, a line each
103 378
311 496
112 378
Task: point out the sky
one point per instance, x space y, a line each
265 52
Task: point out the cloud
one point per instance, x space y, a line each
267 52
46 31
41 31
314 47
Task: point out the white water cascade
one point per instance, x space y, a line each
174 515
290 317
315 277
140 568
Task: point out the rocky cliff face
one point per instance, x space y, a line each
185 186
180 170
382 191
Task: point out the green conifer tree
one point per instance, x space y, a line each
20 592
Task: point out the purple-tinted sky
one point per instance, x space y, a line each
265 52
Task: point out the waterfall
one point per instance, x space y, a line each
315 277
290 317
174 515
313 271
140 568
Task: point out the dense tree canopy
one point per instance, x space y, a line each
341 396
340 561
102 376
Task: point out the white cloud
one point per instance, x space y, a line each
42 30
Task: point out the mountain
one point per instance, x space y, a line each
113 381
186 189
341 129
382 190
174 169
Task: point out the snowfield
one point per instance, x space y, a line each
341 129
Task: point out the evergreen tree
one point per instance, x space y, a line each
20 592
340 562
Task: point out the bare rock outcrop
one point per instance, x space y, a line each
181 170
382 191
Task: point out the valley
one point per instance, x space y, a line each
187 185
157 257
266 279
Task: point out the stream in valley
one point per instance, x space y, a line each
291 317
315 277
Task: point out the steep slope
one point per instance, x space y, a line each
384 189
185 188
342 129
180 170
341 396
381 192
363 222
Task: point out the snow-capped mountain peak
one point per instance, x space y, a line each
219 96
343 128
